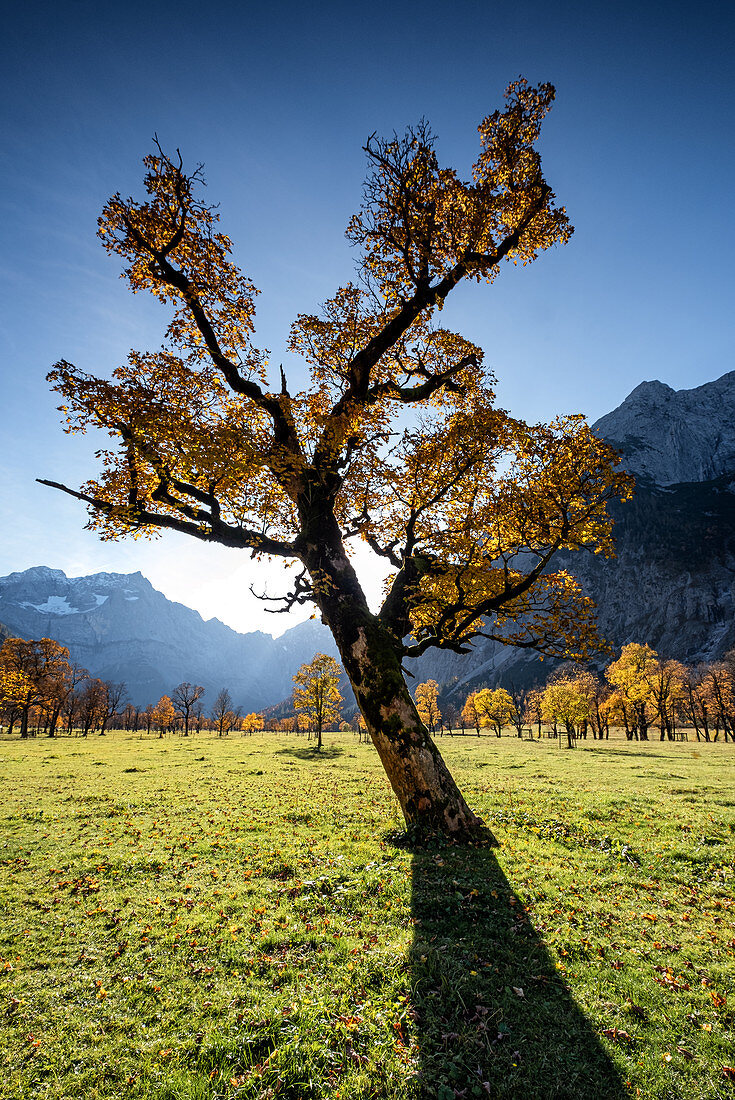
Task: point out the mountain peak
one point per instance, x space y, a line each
38 573
670 437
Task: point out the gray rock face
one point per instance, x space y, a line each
672 583
672 436
121 629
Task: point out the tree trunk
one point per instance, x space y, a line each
428 796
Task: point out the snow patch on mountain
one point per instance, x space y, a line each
54 605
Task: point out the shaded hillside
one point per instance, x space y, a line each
672 584
121 629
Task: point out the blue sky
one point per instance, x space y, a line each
277 101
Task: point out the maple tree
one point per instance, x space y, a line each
222 713
426 696
470 712
32 674
252 722
566 699
316 695
495 708
395 440
164 714
629 675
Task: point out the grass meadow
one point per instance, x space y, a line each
218 918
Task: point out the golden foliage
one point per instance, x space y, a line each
396 440
427 703
316 695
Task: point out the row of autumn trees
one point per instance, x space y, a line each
42 690
637 692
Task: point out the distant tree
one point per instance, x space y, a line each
113 702
198 716
695 704
665 679
565 700
719 688
13 689
534 708
164 714
471 714
630 674
222 712
316 694
517 713
30 674
427 703
252 722
148 717
600 692
62 697
92 705
130 716
495 708
451 716
184 698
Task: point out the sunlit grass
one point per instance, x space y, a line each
226 917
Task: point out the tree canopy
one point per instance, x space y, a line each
396 439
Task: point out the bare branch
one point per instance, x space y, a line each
226 535
301 593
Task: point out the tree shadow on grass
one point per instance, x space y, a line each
327 752
493 1016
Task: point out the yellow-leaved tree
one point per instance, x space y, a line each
427 703
396 439
316 695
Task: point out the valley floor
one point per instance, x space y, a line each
213 918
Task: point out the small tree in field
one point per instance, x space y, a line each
534 711
164 714
184 698
31 672
222 713
427 703
316 695
495 708
565 699
395 440
252 722
470 712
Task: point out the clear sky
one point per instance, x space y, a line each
277 100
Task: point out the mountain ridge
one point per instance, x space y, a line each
119 627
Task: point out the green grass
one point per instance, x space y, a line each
216 918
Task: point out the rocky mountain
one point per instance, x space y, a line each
673 581
669 437
121 629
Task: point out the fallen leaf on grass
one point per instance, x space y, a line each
617 1035
729 1072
